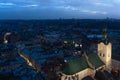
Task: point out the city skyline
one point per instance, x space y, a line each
54 9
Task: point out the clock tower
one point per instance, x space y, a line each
105 49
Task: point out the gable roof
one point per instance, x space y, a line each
79 64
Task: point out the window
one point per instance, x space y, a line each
100 54
103 55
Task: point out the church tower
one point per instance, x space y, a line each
105 49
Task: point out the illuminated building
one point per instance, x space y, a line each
90 64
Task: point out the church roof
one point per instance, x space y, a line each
75 66
79 64
95 60
105 38
106 41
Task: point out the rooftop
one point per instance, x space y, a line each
80 64
75 66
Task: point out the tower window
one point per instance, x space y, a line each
103 55
100 54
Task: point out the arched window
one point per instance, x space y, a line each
103 55
100 54
69 78
65 77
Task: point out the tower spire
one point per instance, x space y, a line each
105 35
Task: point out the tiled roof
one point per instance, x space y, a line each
80 64
95 60
75 66
105 41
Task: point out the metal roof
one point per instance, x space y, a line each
79 64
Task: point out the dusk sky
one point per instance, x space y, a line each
55 9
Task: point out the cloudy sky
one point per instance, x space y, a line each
55 9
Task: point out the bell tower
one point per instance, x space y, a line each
105 49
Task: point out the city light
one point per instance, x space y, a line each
5 35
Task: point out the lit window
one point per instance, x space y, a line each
76 45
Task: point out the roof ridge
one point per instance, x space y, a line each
88 62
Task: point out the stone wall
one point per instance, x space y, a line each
76 76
